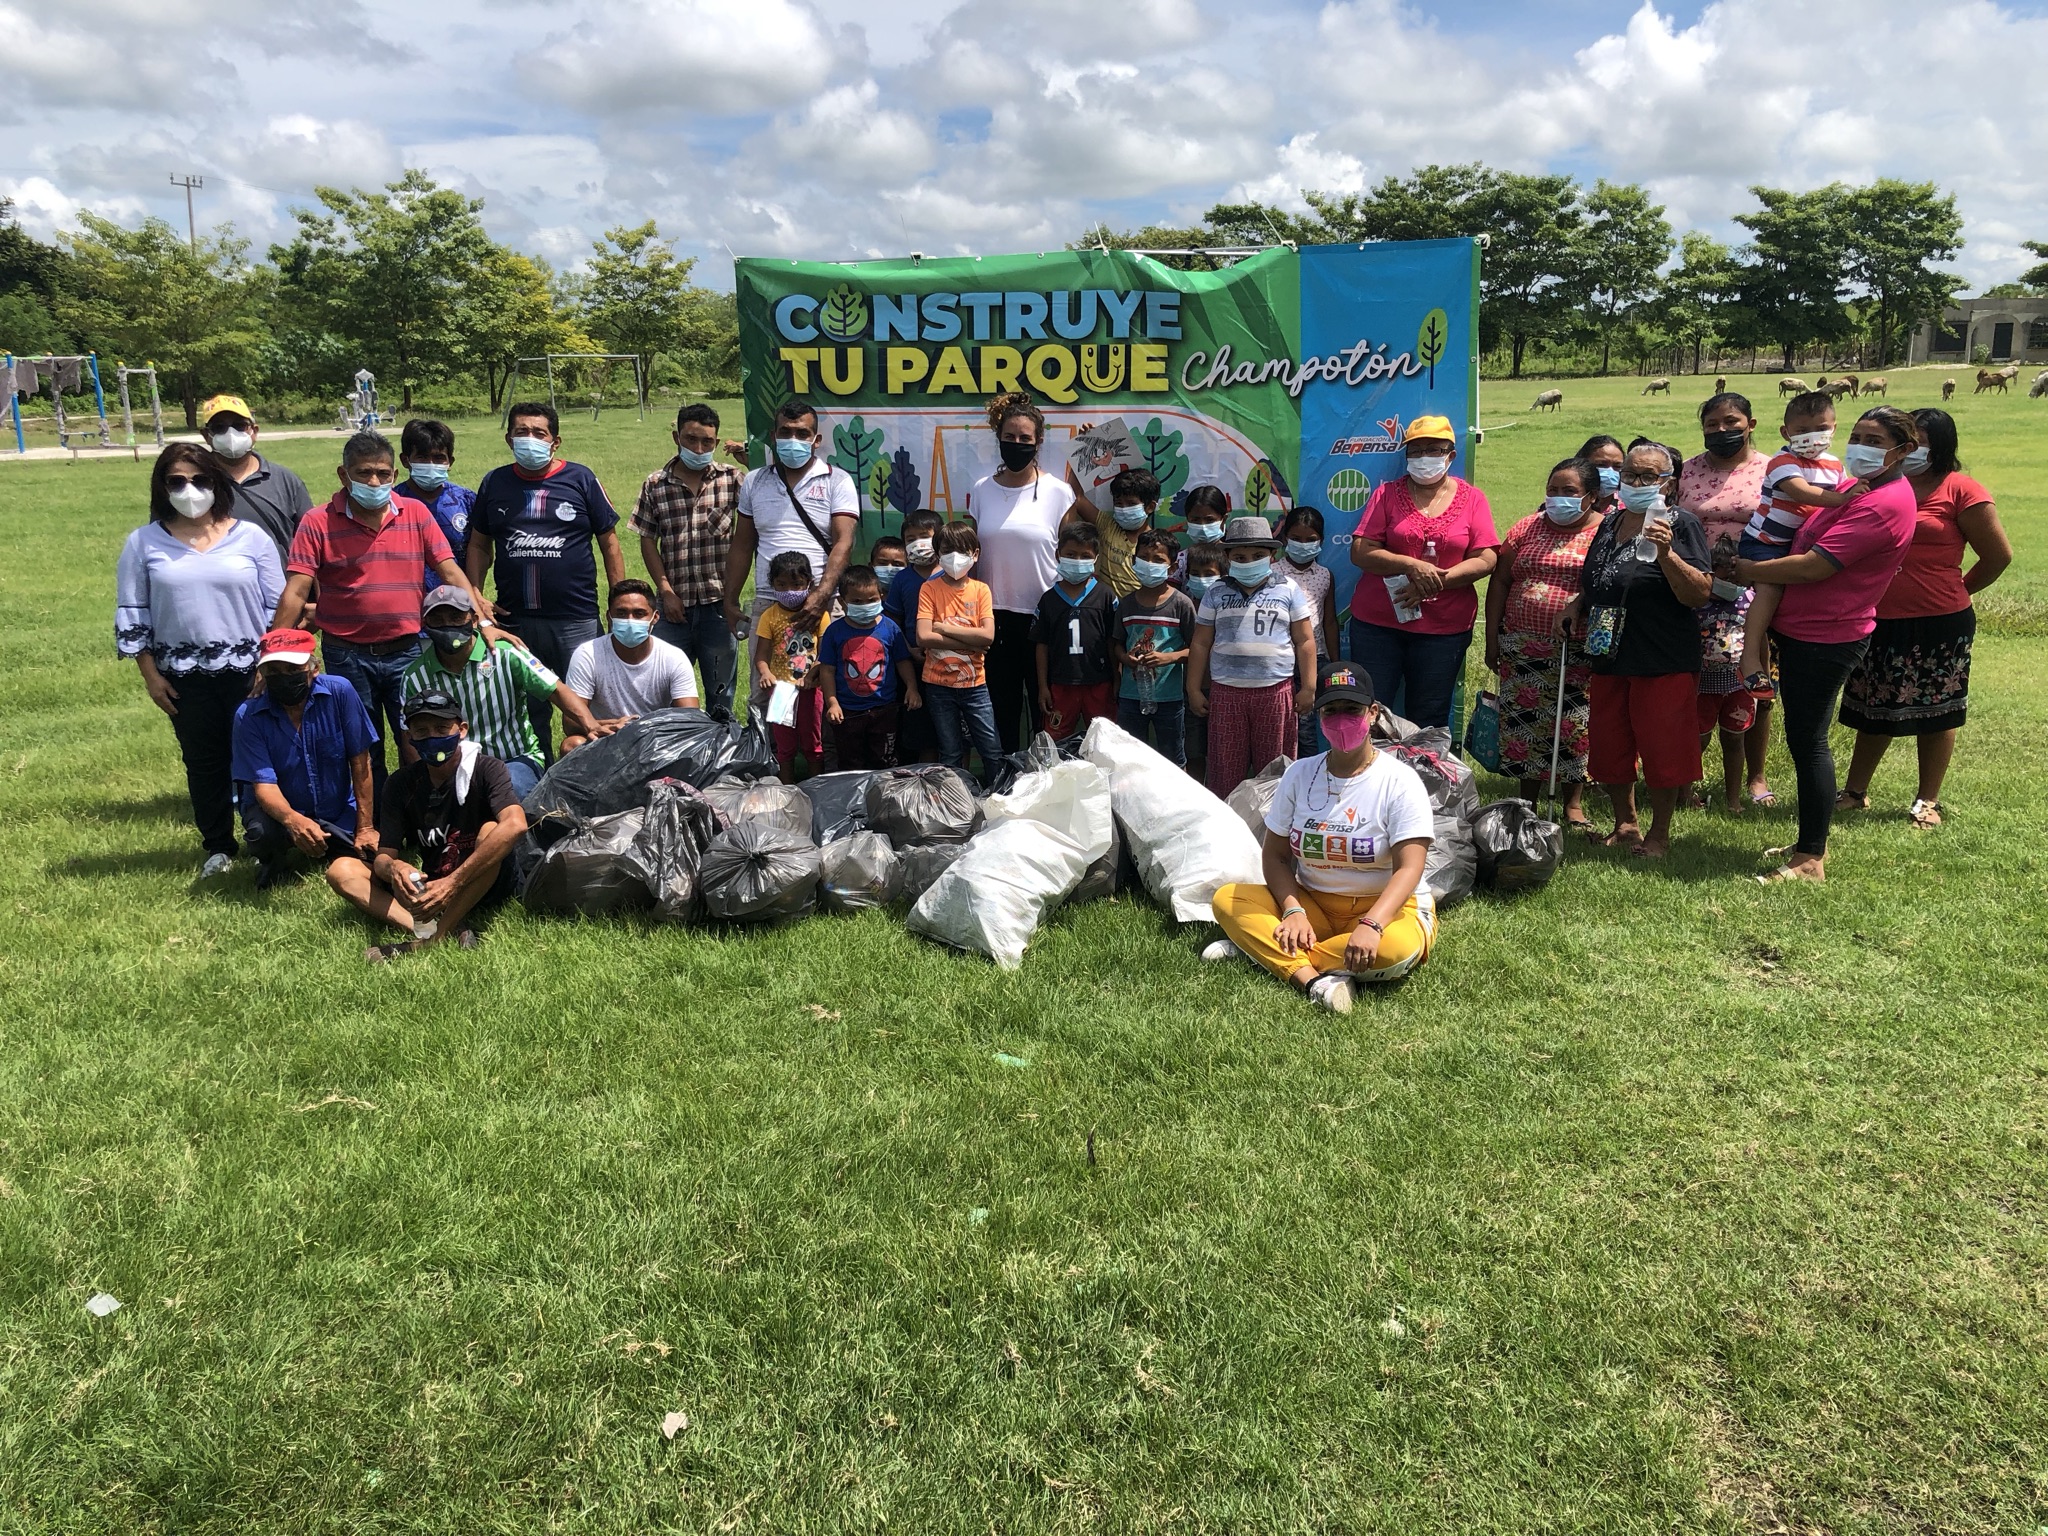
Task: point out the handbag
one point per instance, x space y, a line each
1482 732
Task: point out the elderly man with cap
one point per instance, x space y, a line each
1346 838
301 761
1425 542
266 494
455 805
1252 660
496 682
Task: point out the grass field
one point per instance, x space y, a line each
1658 1202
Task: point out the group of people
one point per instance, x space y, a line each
1651 601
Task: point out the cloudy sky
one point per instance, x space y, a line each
836 130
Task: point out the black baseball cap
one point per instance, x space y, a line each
1343 682
432 704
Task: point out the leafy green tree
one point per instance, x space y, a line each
637 298
1437 202
1793 268
385 272
507 311
145 295
2035 277
1896 231
1627 242
1693 305
27 325
26 263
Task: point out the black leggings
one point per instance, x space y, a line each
1810 679
205 728
1013 679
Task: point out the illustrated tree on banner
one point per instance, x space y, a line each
905 490
857 449
1265 486
1430 340
1168 465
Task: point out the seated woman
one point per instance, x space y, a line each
1346 838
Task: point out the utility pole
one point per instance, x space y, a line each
191 223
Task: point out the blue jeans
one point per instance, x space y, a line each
709 643
1165 729
524 773
959 714
553 642
1427 666
379 681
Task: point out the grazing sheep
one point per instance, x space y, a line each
1550 399
1657 387
1820 383
1948 389
1792 386
1878 386
2040 385
1998 379
1850 380
1986 379
2009 372
1840 388
1721 384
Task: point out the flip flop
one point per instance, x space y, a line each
1765 800
1925 814
1785 874
1622 840
1851 800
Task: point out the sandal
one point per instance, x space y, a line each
1786 874
1631 839
1764 800
1581 824
1758 686
1925 814
384 954
1854 800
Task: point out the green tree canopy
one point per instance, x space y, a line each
507 311
637 297
1896 231
1627 241
1793 268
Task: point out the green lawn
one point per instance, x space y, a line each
1658 1202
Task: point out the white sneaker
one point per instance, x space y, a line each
1335 991
216 864
1222 949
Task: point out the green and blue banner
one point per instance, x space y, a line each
1284 379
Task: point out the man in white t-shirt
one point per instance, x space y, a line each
626 672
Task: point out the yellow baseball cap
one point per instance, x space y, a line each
215 405
1430 428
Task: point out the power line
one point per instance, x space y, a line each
191 222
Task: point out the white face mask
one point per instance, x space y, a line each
956 565
1429 468
193 501
1864 460
1642 498
1810 445
1915 463
919 550
233 443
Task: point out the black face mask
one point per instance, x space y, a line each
1725 445
1018 456
289 687
455 639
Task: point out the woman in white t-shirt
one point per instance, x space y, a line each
1017 511
1346 838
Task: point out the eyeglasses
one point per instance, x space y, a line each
187 483
1643 477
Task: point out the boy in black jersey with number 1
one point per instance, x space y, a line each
1076 622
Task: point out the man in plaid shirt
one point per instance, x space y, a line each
684 519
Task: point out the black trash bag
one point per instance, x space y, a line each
1042 752
756 872
861 871
612 773
767 802
1106 875
596 869
1254 797
913 807
918 868
1518 849
1453 786
1388 726
839 804
679 825
1452 866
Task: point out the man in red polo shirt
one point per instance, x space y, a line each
363 551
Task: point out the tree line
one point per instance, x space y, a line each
403 280
1850 270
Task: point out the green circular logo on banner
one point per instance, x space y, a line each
1348 490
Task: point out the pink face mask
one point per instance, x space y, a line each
1347 733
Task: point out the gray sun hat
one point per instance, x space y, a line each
1249 533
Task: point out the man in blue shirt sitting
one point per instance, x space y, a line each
427 450
301 762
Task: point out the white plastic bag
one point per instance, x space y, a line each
782 704
1037 844
1184 840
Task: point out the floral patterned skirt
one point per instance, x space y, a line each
1914 679
1528 709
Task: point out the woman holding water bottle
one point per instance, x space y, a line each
1647 574
1425 542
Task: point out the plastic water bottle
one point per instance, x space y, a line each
1657 516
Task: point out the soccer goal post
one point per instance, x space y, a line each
561 369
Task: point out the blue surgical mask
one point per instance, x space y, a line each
532 452
1250 573
1563 509
632 632
690 458
863 614
437 749
1304 551
791 599
371 498
1610 479
1205 533
1863 460
887 573
1076 571
1130 517
1915 463
1642 498
429 477
1198 586
1150 573
792 452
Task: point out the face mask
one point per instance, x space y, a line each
1249 573
1129 518
1610 479
429 477
192 500
1915 463
532 452
956 565
437 749
231 444
1018 456
1076 571
792 452
454 639
1863 460
1429 468
920 551
289 687
887 573
863 613
1304 551
1809 445
1205 533
1198 586
1725 445
791 599
690 458
632 632
1562 509
1642 498
371 498
1347 733
1150 573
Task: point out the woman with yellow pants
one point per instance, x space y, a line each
1346 838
